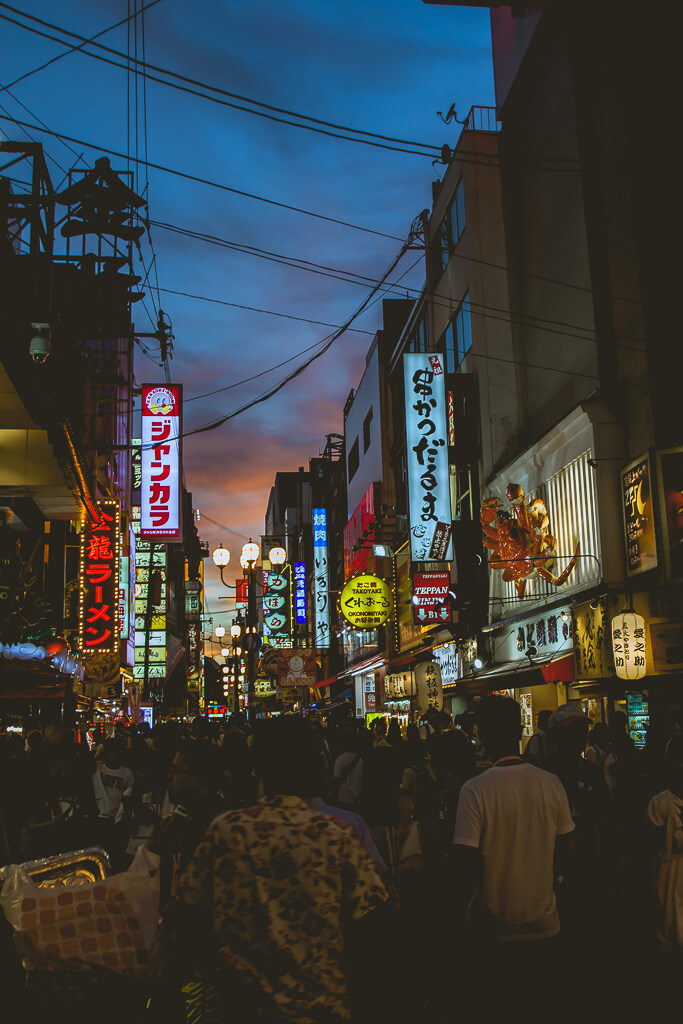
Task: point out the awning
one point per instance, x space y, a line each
516 675
325 682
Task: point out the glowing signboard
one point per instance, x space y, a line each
300 591
427 457
149 618
366 602
321 584
628 644
277 607
99 581
161 467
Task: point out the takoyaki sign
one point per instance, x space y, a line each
427 457
366 602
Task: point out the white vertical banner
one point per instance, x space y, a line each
161 507
429 499
321 583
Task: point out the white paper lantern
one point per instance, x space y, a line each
629 645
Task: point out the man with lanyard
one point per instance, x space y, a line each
510 819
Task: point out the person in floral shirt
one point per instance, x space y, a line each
279 886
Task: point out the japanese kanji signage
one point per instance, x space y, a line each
639 523
431 602
277 607
194 655
428 684
366 602
300 591
320 579
160 491
99 581
628 644
427 456
296 668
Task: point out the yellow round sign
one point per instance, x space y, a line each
366 602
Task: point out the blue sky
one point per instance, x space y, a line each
381 66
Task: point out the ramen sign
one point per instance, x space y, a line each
366 602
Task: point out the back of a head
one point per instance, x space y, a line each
287 757
112 755
499 723
35 742
544 719
202 758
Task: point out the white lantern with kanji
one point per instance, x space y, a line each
629 645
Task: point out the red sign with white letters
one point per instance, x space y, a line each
431 599
161 509
99 581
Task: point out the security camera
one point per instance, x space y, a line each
39 348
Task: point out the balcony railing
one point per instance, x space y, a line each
482 119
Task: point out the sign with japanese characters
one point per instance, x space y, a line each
161 466
277 607
430 517
431 602
428 684
193 645
449 659
296 667
366 602
149 617
300 591
99 580
321 586
639 522
628 645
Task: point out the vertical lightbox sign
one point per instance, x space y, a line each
300 591
161 518
321 584
430 516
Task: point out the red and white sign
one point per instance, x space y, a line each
161 516
431 602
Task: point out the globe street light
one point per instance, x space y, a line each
221 559
248 559
249 556
277 556
220 631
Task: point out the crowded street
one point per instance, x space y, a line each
341 513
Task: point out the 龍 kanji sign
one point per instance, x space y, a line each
99 581
161 517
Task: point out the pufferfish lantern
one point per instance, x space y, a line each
519 537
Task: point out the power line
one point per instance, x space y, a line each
256 309
368 141
205 181
223 92
72 49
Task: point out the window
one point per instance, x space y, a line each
354 459
367 431
452 226
457 338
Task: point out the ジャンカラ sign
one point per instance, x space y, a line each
366 602
430 518
160 488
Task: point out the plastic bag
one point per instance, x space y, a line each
111 923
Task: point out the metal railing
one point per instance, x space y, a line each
482 119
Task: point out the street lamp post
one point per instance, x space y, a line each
235 633
248 559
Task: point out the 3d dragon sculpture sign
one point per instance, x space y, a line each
519 537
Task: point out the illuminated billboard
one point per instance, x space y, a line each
321 583
99 580
161 467
430 515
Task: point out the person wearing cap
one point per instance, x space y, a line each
508 823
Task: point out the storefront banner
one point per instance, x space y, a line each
296 667
430 518
161 463
99 580
639 521
548 632
366 602
628 645
399 686
431 601
429 686
321 586
450 661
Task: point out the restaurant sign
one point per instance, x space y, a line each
430 518
161 465
628 644
366 602
639 523
99 580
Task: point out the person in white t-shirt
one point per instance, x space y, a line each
508 822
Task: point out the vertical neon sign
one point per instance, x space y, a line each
321 578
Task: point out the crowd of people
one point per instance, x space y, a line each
307 872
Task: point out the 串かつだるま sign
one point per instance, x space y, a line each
366 602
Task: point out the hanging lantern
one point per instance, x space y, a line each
429 689
628 645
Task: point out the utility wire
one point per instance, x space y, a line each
72 49
206 181
369 136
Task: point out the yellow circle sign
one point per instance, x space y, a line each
366 602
